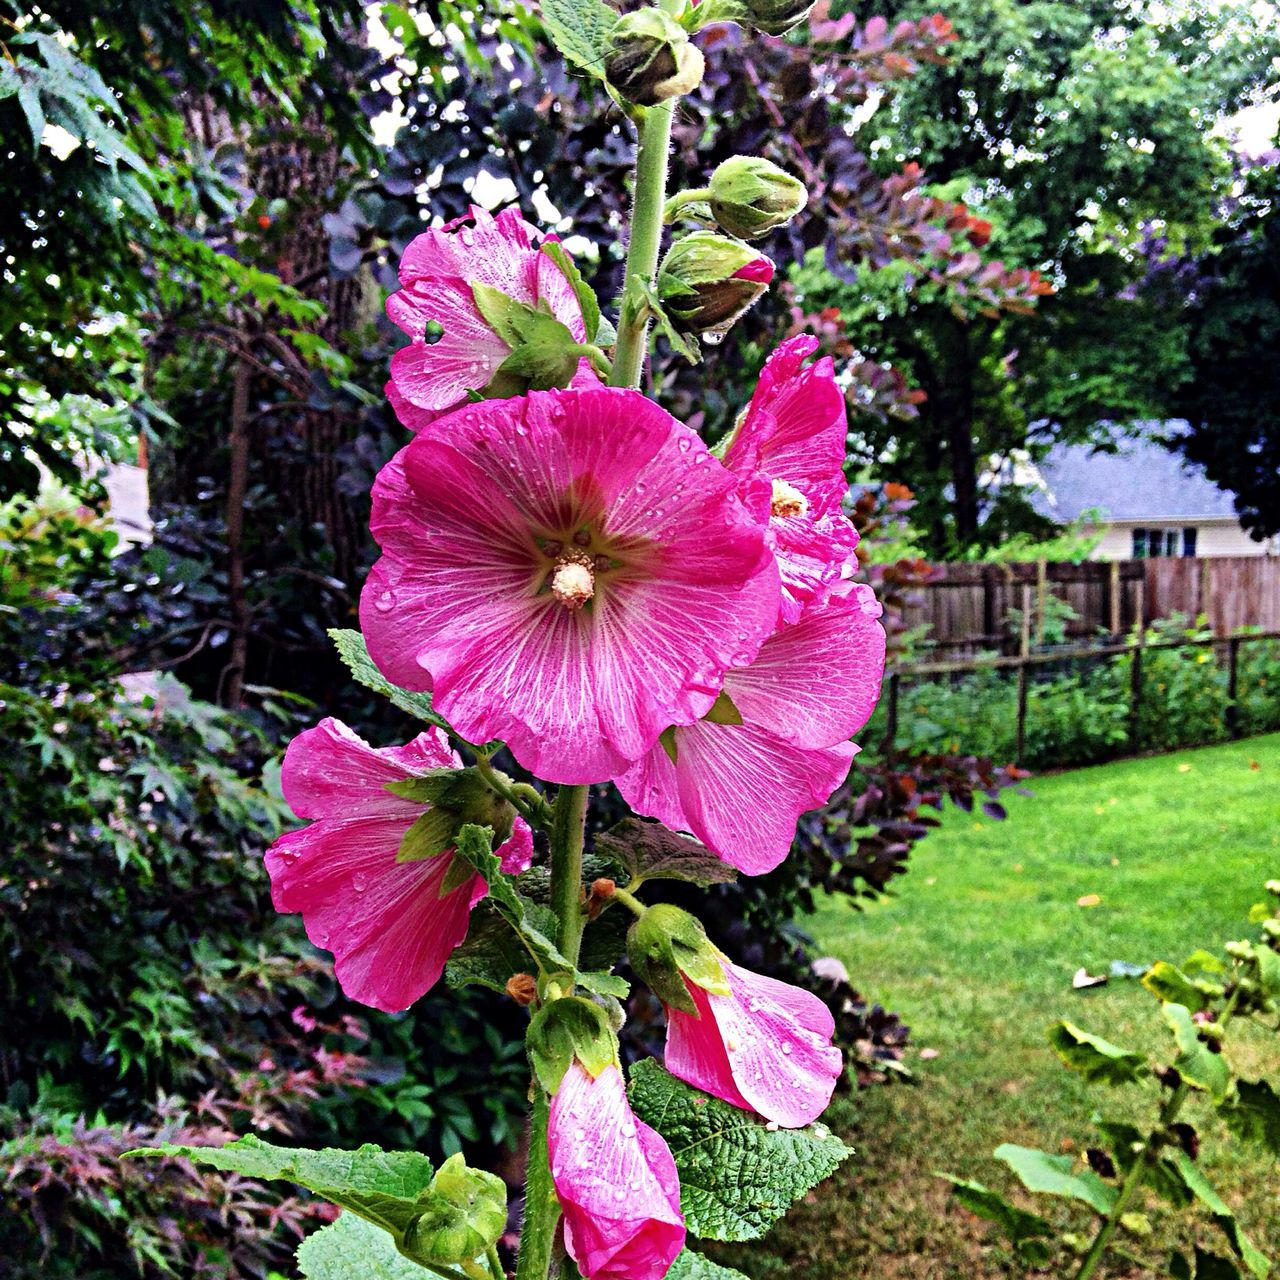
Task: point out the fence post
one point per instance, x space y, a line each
1021 748
1024 640
1042 590
1135 693
1115 601
1233 686
891 716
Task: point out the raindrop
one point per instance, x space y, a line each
685 444
786 1050
385 602
628 1130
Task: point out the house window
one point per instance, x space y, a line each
1152 543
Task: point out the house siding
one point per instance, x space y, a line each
1213 538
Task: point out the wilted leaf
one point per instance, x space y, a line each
1099 1061
1057 1176
650 851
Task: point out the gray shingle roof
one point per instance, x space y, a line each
1142 480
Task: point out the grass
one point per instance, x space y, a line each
976 951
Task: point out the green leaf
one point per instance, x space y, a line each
492 952
693 1266
650 851
1168 983
1098 1060
1253 1113
1025 1231
355 653
1268 963
388 1188
1204 1191
1196 1062
586 296
604 984
353 1249
580 30
1057 1176
737 1176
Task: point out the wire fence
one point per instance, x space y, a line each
1102 701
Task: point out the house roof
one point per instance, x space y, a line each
1141 480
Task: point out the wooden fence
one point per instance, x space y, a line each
971 608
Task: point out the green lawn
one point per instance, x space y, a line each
976 951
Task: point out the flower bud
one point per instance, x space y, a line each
665 946
773 17
751 196
648 58
707 281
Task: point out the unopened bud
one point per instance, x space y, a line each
601 891
707 281
751 196
1273 887
522 988
773 17
648 58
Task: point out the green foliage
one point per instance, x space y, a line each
354 1249
355 654
1097 1060
737 1175
1057 1176
649 851
580 30
1025 1231
693 1266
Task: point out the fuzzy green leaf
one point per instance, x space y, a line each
1204 1191
737 1176
580 30
353 1249
1057 1176
355 653
1025 1231
1098 1060
650 851
693 1266
1196 1062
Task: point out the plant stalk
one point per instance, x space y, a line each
568 830
646 240
541 1208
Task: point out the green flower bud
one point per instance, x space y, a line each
466 1213
751 197
567 1029
707 281
454 798
773 17
666 946
648 58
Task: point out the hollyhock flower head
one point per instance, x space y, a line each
739 778
454 349
568 571
390 925
789 449
765 1047
615 1179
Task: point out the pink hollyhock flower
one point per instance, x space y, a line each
568 571
436 274
615 1179
766 1047
792 437
740 787
388 926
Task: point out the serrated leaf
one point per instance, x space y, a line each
580 30
737 1176
385 1187
1204 1191
1169 984
492 953
650 851
1057 1176
355 653
353 1249
1025 1231
693 1266
604 984
1196 1062
1253 1113
1098 1060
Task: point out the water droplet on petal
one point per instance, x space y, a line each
786 1049
386 601
685 444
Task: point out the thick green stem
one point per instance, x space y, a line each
568 818
541 1208
646 240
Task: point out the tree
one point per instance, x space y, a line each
1232 399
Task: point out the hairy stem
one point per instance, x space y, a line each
541 1208
646 240
568 819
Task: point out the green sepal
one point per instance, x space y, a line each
587 299
668 740
460 872
568 1029
465 1214
666 946
723 711
666 326
430 835
497 309
429 788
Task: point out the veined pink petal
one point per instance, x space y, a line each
816 683
408 414
475 515
765 1047
389 929
615 1179
740 789
497 251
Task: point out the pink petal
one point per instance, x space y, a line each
764 1047
742 789
459 602
409 415
516 853
815 683
814 557
495 251
616 1181
330 771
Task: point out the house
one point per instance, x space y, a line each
1149 500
